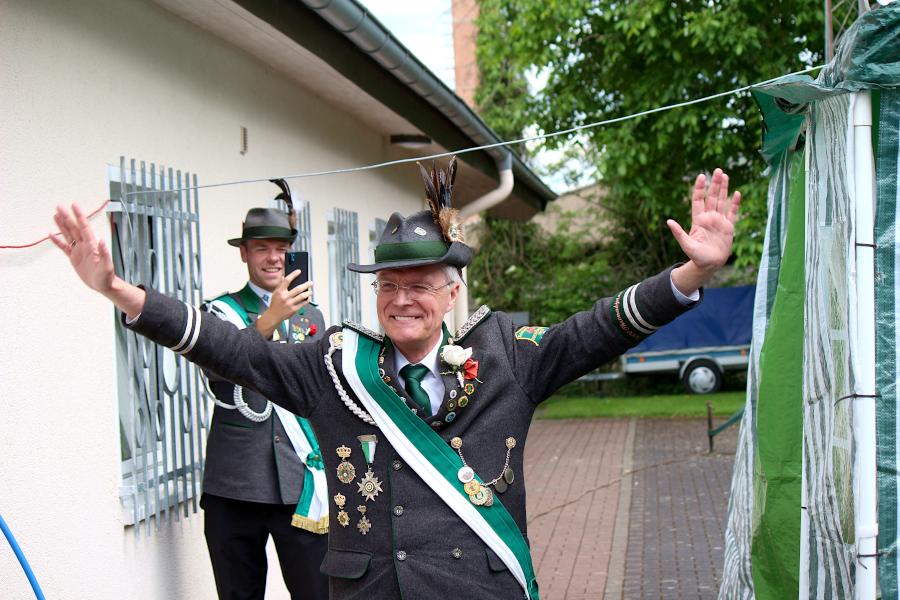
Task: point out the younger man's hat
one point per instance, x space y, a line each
428 237
265 224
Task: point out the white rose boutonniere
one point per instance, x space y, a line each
456 358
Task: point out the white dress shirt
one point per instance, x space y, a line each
264 295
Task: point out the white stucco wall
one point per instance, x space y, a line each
82 83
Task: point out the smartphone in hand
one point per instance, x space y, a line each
296 261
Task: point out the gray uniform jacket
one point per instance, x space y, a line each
250 461
417 547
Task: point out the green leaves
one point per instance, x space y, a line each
609 59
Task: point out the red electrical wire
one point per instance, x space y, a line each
47 237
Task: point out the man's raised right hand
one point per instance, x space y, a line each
91 260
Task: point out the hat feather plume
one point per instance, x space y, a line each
286 196
439 192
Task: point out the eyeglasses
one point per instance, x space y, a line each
415 290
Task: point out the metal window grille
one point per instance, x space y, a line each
375 230
343 248
163 407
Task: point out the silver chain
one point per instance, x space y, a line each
510 444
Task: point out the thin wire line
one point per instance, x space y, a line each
47 237
542 136
445 154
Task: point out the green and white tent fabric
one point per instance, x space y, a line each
793 527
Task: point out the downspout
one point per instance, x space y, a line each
495 196
491 199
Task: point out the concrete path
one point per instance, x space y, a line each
627 509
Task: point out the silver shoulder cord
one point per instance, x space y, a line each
244 408
345 397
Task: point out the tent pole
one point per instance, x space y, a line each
803 587
864 473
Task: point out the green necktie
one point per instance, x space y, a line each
413 375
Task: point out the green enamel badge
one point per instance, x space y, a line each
531 333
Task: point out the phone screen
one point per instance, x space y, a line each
296 261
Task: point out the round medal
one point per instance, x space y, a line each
472 487
346 472
481 498
465 474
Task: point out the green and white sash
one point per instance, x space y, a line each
311 513
432 459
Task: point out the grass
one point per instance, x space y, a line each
678 405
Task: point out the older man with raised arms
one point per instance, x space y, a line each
439 509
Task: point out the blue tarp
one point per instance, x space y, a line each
724 318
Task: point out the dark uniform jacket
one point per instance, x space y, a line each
417 547
246 460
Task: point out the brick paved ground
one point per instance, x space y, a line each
658 536
677 515
573 470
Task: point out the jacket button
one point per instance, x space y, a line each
401 555
277 439
397 465
398 510
456 553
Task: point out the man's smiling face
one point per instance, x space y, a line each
413 320
265 261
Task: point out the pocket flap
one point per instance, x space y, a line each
345 564
494 563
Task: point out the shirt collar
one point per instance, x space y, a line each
431 359
264 295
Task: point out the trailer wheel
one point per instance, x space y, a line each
702 376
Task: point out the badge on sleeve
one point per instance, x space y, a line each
531 333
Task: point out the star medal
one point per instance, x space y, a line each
364 525
346 472
342 517
369 487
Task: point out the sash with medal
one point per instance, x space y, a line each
432 459
311 513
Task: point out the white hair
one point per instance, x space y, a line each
453 274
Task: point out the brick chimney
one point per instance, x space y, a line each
465 34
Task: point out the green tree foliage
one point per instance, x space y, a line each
521 267
608 59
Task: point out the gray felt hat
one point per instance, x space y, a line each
414 241
265 224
